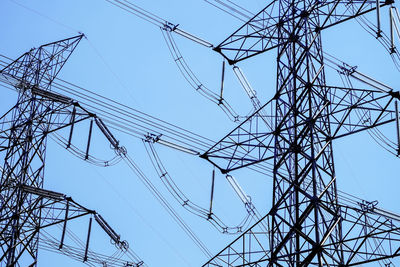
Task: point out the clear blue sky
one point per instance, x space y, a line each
126 59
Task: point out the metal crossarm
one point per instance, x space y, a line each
262 32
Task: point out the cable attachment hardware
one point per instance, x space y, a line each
22 85
131 264
368 206
152 138
347 69
169 26
121 151
250 206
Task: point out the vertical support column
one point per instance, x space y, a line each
64 225
212 193
72 122
303 156
24 161
222 83
87 240
89 139
397 126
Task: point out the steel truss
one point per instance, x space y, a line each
306 224
26 208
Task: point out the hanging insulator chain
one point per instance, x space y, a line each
111 233
368 206
392 50
378 20
244 82
113 141
157 139
168 26
107 133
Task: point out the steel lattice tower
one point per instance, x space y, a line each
306 224
25 157
26 207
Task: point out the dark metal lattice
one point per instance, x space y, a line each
306 224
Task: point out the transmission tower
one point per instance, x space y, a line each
307 224
27 210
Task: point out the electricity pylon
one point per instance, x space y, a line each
27 210
307 224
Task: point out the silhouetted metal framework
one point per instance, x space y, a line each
306 224
26 208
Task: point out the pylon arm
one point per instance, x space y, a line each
251 142
61 112
261 32
350 111
367 236
40 66
59 210
356 110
